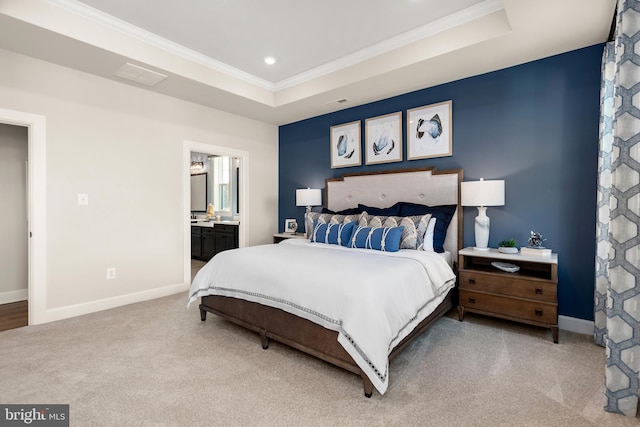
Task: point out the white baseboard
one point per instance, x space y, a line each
566 323
573 324
51 315
14 296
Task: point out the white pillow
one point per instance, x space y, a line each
427 244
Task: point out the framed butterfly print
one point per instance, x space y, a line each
346 145
383 139
429 131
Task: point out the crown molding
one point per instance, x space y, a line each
145 36
463 16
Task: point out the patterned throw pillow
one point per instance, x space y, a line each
409 239
390 221
410 233
380 238
427 244
363 219
311 218
342 219
376 221
421 229
336 219
368 220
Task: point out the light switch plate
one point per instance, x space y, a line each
83 199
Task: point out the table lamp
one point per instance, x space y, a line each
482 194
308 197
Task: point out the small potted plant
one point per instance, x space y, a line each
509 246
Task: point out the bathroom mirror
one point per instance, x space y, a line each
199 189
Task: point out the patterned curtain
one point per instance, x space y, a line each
617 294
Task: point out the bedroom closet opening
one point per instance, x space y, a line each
14 259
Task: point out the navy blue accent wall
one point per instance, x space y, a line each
534 125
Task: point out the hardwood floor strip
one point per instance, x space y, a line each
14 315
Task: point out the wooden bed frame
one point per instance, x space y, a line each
304 335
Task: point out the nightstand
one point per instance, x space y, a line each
279 237
529 295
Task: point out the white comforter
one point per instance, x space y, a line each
373 299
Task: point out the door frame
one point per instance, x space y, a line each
36 208
243 229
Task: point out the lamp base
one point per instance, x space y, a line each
482 229
475 248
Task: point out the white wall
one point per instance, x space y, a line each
122 146
13 208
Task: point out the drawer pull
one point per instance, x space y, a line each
472 281
472 300
538 291
538 312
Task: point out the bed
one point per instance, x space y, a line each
342 316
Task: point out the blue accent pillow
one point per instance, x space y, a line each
390 211
332 234
378 238
442 213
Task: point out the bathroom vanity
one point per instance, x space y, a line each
209 238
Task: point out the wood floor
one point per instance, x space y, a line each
14 315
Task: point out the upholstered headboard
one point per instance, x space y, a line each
383 189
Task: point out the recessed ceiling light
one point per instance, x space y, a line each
269 60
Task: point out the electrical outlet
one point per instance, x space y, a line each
111 273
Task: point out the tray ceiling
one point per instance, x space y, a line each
212 52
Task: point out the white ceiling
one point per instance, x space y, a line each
363 50
302 34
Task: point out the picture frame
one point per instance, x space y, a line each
429 131
383 139
345 145
290 225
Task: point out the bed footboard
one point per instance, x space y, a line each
275 324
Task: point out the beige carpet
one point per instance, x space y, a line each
157 364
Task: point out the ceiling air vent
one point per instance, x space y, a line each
339 101
140 75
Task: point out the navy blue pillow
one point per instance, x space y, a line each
350 211
332 234
442 213
378 238
390 211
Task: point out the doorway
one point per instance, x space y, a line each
36 209
241 194
13 227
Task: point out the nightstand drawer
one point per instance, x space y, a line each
510 285
510 307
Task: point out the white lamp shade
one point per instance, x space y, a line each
308 197
483 193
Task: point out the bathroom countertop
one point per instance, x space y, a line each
200 223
